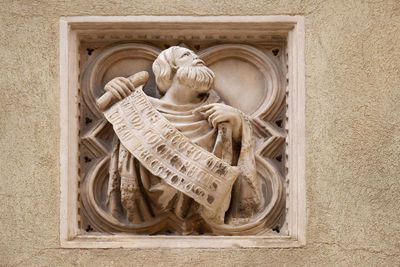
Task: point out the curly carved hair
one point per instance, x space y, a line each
164 67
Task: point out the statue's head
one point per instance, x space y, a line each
188 68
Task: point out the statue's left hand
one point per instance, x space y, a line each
217 113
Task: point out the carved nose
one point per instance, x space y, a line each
198 61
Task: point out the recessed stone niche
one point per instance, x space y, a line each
258 64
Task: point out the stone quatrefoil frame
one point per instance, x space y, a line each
272 35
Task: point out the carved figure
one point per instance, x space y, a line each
186 157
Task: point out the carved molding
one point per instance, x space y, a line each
275 112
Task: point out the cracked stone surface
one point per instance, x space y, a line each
352 127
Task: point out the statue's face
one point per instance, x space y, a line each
186 58
192 72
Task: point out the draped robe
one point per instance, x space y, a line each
144 196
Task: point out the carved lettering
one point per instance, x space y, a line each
186 172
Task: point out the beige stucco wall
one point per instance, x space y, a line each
352 120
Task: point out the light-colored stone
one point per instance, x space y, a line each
352 144
266 166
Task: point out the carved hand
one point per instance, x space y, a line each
217 113
120 87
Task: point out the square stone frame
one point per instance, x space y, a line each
292 27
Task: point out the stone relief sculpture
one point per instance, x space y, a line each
185 162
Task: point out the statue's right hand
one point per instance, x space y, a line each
120 87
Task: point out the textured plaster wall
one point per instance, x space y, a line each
352 120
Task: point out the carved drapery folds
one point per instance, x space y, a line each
145 167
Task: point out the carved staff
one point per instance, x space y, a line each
137 79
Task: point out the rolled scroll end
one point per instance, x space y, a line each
139 78
105 100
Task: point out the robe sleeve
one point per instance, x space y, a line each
246 192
